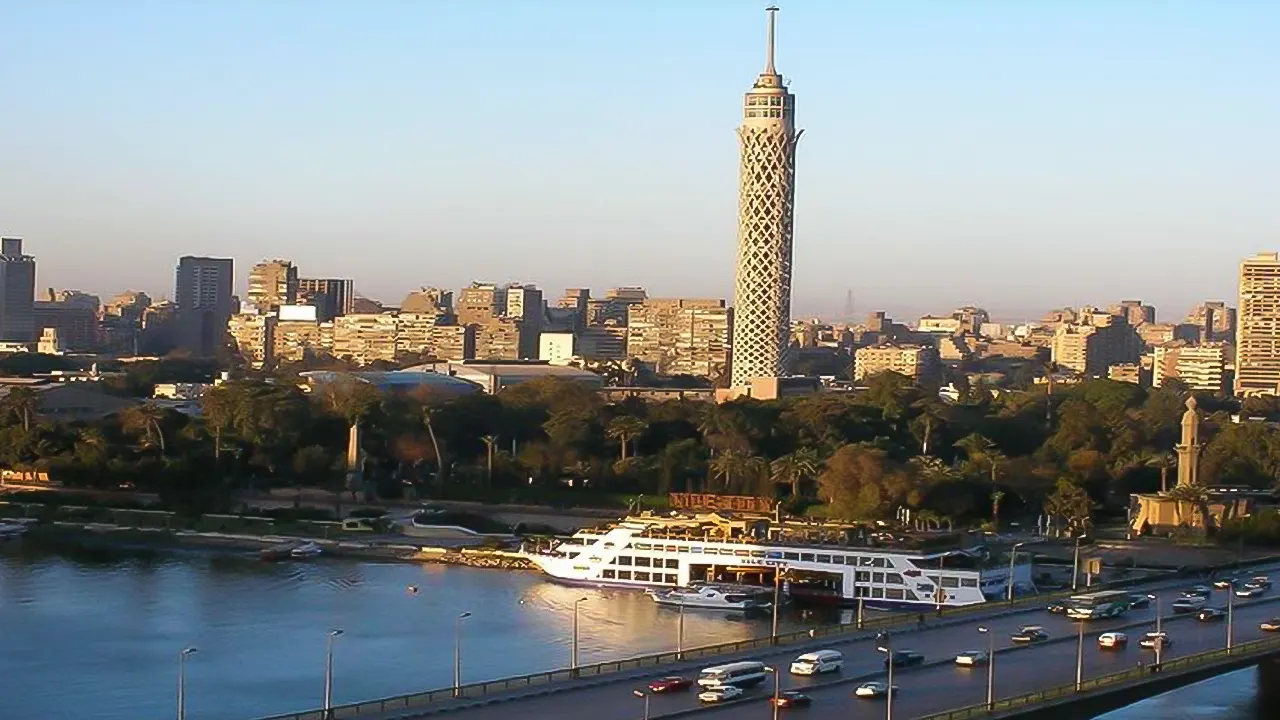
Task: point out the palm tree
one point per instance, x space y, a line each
733 465
145 419
624 428
91 446
427 412
931 414
490 443
1196 494
1165 461
975 447
794 467
24 403
996 497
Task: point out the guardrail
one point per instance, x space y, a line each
478 690
1253 647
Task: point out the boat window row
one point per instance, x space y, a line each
641 561
824 558
885 593
639 575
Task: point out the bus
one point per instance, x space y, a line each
1094 606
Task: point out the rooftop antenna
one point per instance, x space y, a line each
768 54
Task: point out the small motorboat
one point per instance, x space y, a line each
12 530
296 551
305 550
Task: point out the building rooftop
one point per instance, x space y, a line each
397 380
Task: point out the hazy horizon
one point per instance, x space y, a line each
1015 156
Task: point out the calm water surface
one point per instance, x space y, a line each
97 635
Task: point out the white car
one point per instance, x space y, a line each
720 694
1149 640
1250 591
1112 640
1189 603
873 690
969 658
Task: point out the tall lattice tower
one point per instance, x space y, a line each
766 196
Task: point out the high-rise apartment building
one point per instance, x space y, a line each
1095 342
481 302
1215 320
424 334
1134 312
525 305
363 338
295 341
680 336
1202 368
500 339
272 283
17 292
252 337
1258 326
767 173
918 362
203 297
331 297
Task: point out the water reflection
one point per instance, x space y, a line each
101 629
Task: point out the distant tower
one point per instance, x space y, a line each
766 195
848 305
1189 448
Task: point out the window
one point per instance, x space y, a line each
757 553
806 557
792 556
893 578
640 546
775 101
877 592
824 558
672 548
893 594
695 550
673 579
865 561
642 576
950 582
969 582
624 574
608 574
624 559
911 596
673 563
741 553
879 562
861 591
877 577
863 576
642 562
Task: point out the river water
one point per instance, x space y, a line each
97 634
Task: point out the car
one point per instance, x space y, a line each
1250 591
1057 607
1030 634
905 658
1272 625
672 683
720 694
1211 615
1188 604
969 658
818 662
1113 640
1149 640
1261 581
1139 601
1203 591
1224 583
873 689
790 699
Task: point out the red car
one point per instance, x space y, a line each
792 699
675 683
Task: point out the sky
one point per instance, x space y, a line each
1017 155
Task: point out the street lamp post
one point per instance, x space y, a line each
1231 592
457 652
1079 654
777 593
1159 642
1013 555
991 667
1075 566
574 657
777 688
182 681
888 693
643 696
680 635
859 608
328 672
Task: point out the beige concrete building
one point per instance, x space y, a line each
331 297
426 334
680 336
918 362
1258 326
1199 367
1094 343
1155 334
499 339
295 341
526 306
363 338
1134 312
428 301
252 337
481 302
1214 320
603 342
272 283
1131 373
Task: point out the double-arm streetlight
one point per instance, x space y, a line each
457 652
643 696
574 656
1013 555
182 681
991 667
328 671
777 687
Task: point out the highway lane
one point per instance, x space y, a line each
612 698
933 689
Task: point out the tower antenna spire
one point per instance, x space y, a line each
768 47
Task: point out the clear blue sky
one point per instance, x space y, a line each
1019 154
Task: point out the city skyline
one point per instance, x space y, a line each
1009 148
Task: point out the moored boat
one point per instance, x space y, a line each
715 596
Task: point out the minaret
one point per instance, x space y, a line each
1189 448
766 195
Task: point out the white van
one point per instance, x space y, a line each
739 674
815 663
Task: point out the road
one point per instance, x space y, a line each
947 687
